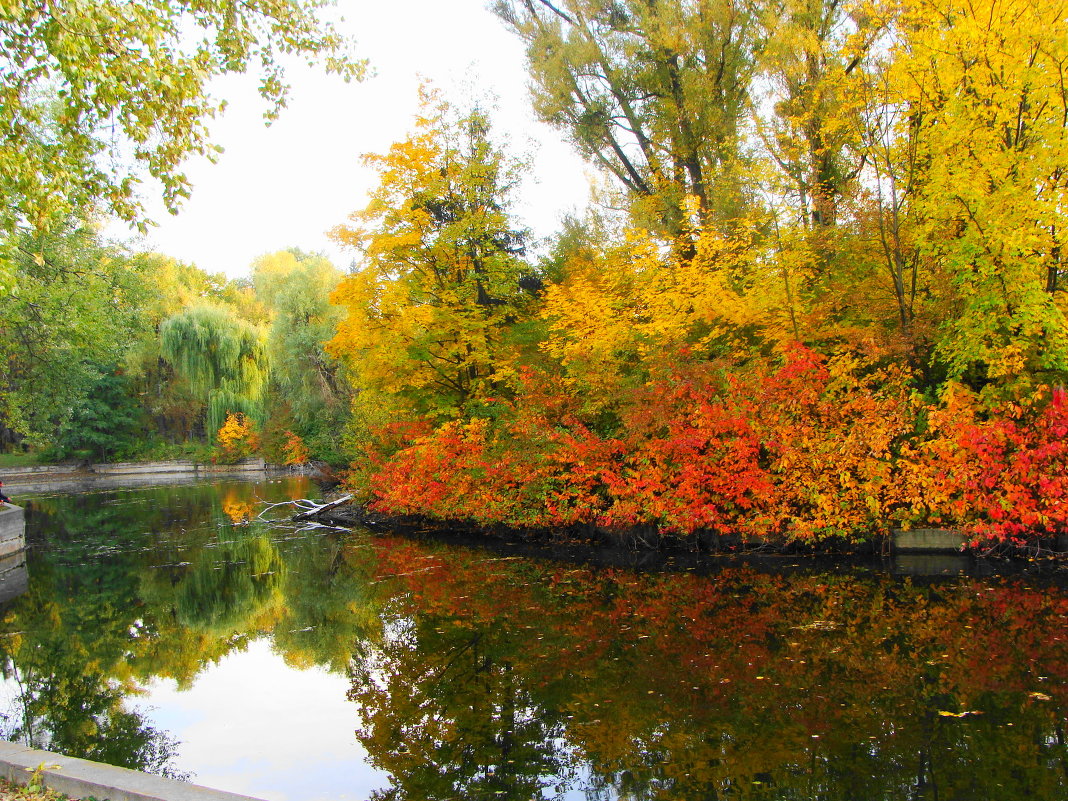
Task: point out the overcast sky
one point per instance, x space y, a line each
288 184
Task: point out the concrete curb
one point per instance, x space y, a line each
80 778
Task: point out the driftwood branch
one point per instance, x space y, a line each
320 508
305 508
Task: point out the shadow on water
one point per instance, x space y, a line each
497 672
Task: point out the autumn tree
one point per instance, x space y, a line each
308 391
985 92
441 276
99 96
653 92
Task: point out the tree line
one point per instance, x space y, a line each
820 292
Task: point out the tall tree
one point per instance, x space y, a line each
173 407
654 91
296 287
984 85
77 308
96 96
441 278
222 357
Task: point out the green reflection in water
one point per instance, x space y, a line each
741 685
482 676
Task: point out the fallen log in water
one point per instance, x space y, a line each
318 509
307 509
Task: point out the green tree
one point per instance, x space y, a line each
106 423
307 385
97 96
77 307
653 92
173 408
221 356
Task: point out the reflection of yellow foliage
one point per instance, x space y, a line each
239 511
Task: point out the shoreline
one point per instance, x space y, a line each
918 542
70 470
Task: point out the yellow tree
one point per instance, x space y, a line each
654 93
441 278
984 89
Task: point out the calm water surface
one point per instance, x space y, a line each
169 630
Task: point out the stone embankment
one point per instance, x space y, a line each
84 477
80 778
14 580
171 467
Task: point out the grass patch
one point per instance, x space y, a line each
8 460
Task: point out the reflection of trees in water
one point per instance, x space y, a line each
125 587
57 656
492 678
330 607
457 722
740 685
229 585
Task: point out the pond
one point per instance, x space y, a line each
168 629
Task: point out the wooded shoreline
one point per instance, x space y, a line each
894 541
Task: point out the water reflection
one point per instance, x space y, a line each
479 675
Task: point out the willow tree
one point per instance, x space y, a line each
296 287
221 356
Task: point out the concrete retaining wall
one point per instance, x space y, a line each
12 530
80 778
14 577
926 540
14 472
184 467
175 466
14 580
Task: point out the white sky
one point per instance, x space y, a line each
252 725
288 184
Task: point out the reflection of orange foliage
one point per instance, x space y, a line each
726 678
237 437
237 509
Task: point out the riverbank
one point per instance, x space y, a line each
83 477
16 475
47 776
14 792
919 542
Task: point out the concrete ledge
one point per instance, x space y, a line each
177 467
927 540
15 472
80 778
12 529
